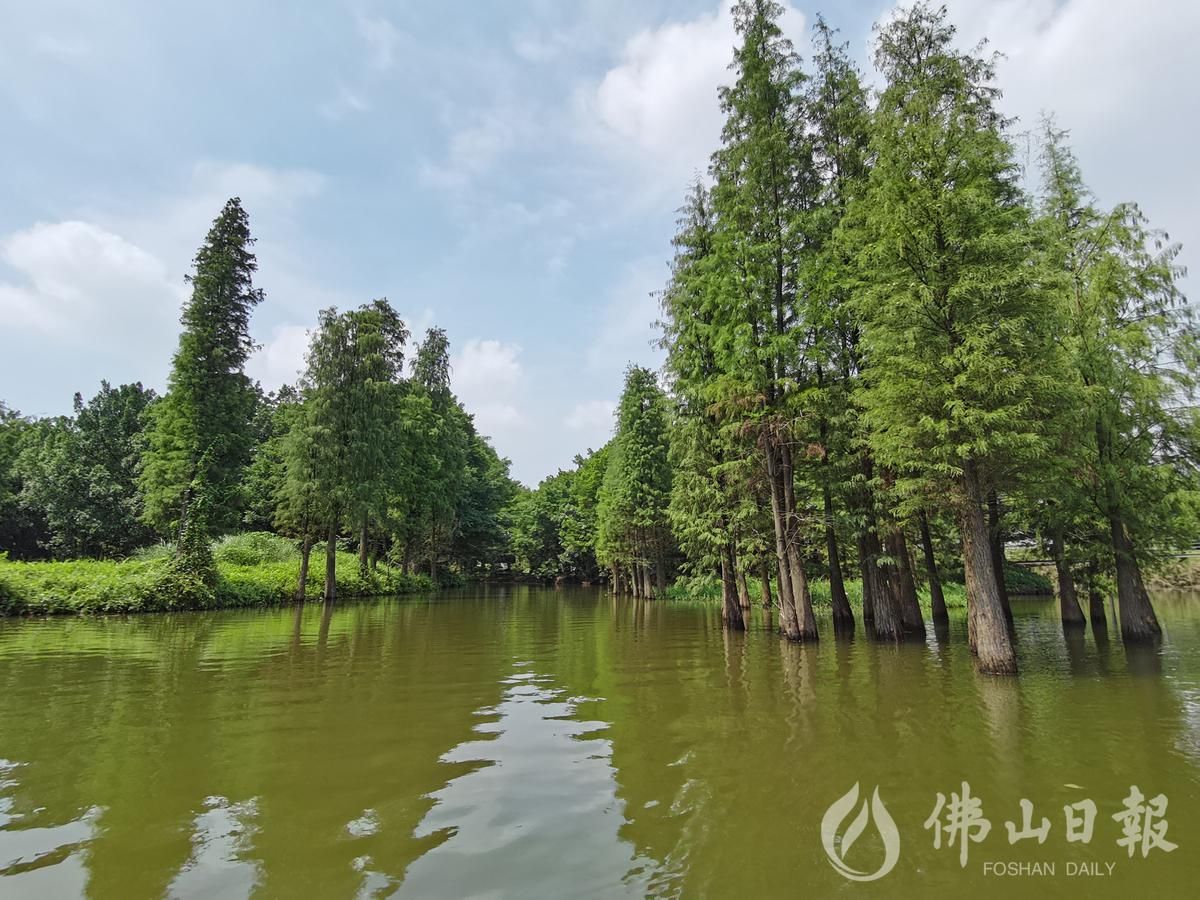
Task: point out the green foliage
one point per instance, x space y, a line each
253 548
80 475
158 584
1022 580
631 507
958 330
201 430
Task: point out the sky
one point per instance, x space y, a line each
509 171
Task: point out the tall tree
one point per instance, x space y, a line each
633 531
957 329
351 387
764 181
200 433
1135 346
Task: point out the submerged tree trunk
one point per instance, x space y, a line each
801 595
996 545
905 587
787 608
887 623
731 610
765 585
1139 624
868 583
987 628
1095 600
937 600
364 547
302 582
843 616
331 561
743 587
1068 600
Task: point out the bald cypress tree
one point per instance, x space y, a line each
200 432
1128 481
633 531
958 330
763 182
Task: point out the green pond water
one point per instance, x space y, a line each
537 743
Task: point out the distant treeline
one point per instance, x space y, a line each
883 344
370 449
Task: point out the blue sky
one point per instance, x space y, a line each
509 172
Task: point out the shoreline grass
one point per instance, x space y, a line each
252 570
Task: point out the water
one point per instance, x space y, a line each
535 743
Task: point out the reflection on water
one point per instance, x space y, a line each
538 807
220 865
526 743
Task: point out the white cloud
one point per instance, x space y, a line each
81 282
346 101
592 420
280 359
488 379
472 149
627 332
1120 77
659 104
381 38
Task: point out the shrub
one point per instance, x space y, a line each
254 548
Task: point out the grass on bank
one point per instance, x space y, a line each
255 569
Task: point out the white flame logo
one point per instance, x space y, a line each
836 815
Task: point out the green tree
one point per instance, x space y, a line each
80 474
342 449
633 529
958 331
1135 346
23 531
200 432
764 182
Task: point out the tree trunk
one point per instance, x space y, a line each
787 607
868 583
801 595
765 585
731 610
1068 600
887 622
302 582
647 582
843 616
987 628
331 561
937 600
364 547
1095 601
906 586
996 544
1139 624
743 588
660 573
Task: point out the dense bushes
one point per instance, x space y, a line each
254 569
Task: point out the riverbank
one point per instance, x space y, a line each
252 570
